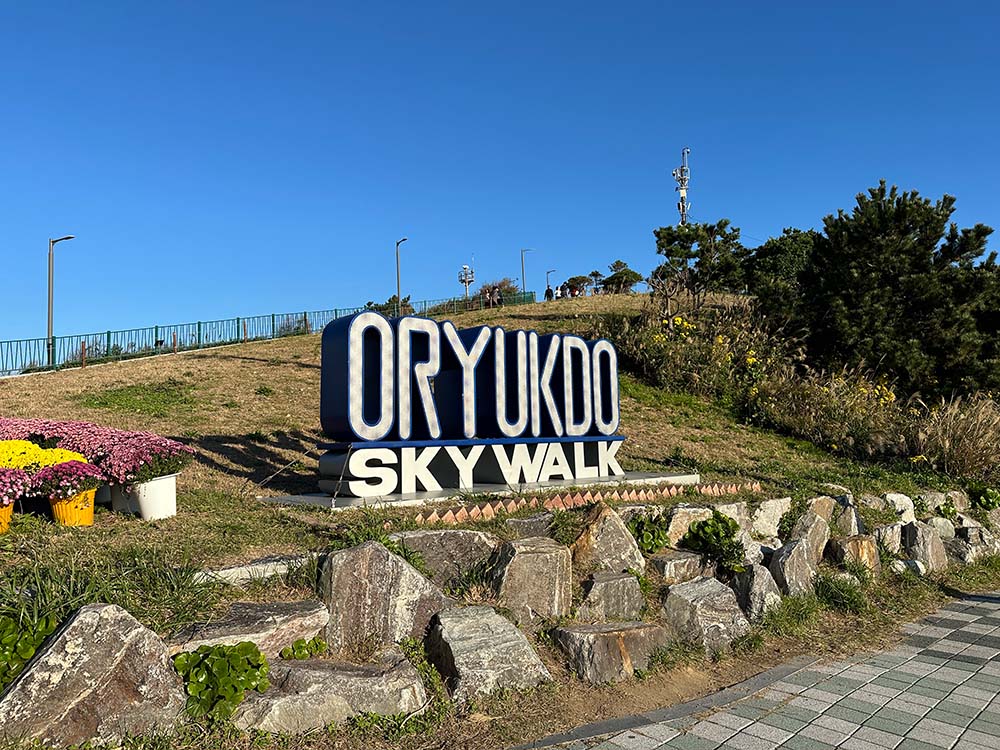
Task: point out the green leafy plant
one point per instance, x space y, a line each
650 533
18 643
715 538
948 510
217 678
303 649
985 498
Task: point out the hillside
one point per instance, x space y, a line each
251 411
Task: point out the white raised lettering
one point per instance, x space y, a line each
468 360
508 428
422 372
521 463
414 467
465 464
356 353
372 463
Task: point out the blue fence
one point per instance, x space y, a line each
33 355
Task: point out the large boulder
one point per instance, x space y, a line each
890 537
308 695
100 677
271 626
944 528
845 520
478 652
611 596
533 579
448 553
901 504
609 652
921 542
536 525
756 591
375 598
793 569
681 518
959 499
677 566
814 532
971 544
739 512
605 543
858 549
823 506
767 516
704 612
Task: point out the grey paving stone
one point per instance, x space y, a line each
954 705
747 742
690 742
798 742
775 735
856 704
949 718
974 735
847 714
635 741
822 695
729 719
710 731
837 724
911 743
877 737
854 743
810 704
824 734
783 722
933 726
659 731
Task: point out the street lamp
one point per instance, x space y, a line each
399 297
51 343
547 277
524 285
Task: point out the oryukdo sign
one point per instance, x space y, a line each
416 405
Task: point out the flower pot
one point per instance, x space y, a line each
103 496
77 511
6 513
156 498
120 500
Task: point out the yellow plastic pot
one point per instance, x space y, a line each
77 511
6 513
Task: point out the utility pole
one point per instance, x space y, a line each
399 288
524 284
682 175
51 342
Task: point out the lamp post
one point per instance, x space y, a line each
51 342
547 277
524 285
399 288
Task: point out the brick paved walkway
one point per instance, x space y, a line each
940 689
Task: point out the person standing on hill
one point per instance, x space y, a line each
548 293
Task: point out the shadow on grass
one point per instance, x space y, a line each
274 361
286 461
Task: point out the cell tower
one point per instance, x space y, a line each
682 175
467 276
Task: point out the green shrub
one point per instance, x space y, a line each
840 593
18 643
948 510
303 649
716 539
791 517
217 678
985 498
650 533
792 616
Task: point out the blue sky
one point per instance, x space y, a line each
220 159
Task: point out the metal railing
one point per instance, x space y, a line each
32 355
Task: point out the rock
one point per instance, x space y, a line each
611 596
921 542
375 598
681 517
609 652
847 521
100 677
308 695
972 534
629 512
814 532
902 504
532 578
843 575
704 612
914 566
840 493
677 566
756 591
271 626
959 499
754 550
931 500
768 515
448 553
767 549
478 652
605 543
972 544
536 525
739 512
255 570
967 521
871 501
890 537
793 569
858 549
944 528
823 507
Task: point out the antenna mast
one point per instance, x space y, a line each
682 175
